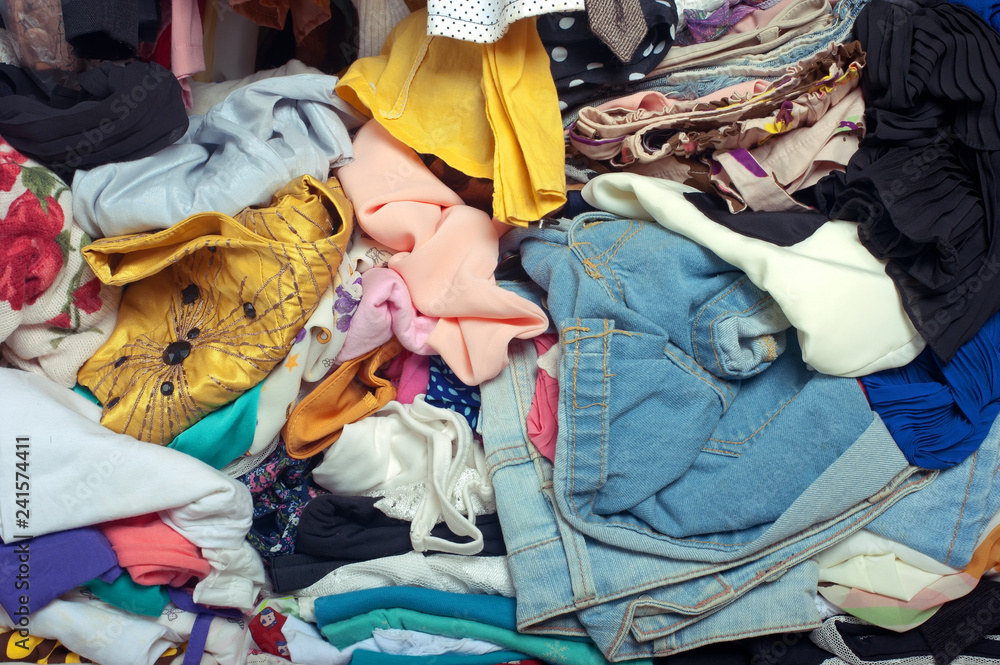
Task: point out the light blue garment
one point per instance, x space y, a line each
238 154
484 608
634 604
946 520
672 389
700 81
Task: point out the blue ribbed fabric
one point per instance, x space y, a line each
940 413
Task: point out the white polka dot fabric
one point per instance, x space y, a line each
486 21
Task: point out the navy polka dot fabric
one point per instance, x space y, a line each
585 69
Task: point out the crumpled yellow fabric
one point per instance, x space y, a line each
214 303
488 110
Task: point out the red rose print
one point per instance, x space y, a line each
8 175
87 297
10 165
61 321
30 258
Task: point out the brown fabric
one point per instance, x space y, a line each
476 192
307 15
353 391
620 24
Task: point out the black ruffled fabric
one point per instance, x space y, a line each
923 184
120 113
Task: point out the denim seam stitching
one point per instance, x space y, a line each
527 548
961 512
763 425
762 575
650 531
698 375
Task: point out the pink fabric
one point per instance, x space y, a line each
657 101
447 252
385 310
187 53
154 553
410 373
543 416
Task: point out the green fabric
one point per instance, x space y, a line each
362 657
126 594
549 648
221 436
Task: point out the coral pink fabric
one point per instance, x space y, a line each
446 254
543 416
385 310
154 553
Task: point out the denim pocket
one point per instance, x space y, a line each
740 332
636 413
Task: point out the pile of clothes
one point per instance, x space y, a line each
543 332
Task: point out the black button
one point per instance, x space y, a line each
250 312
176 352
190 293
167 388
194 332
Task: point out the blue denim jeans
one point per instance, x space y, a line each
678 397
635 604
700 81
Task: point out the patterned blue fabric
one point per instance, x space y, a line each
445 390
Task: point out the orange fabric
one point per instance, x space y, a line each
353 391
986 556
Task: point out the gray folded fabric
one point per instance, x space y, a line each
236 155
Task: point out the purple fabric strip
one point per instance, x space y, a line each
199 632
747 161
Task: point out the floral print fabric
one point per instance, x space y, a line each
54 312
280 487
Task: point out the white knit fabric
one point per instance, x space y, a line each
444 572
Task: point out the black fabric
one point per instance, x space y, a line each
871 644
291 572
120 113
923 184
783 649
584 68
962 622
352 528
780 228
110 29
